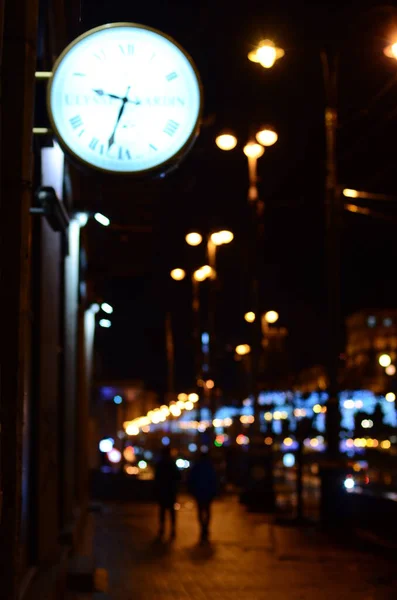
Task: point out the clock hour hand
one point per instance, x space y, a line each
102 93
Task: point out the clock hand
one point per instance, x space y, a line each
102 93
124 102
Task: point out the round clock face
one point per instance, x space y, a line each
125 98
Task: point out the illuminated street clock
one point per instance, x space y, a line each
125 98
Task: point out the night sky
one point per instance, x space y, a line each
209 189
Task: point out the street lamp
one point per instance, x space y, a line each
266 54
243 349
221 237
267 136
107 308
194 238
391 51
178 274
226 141
100 218
249 317
105 323
271 316
384 360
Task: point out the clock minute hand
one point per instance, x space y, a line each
124 102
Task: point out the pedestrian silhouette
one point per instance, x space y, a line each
203 487
166 481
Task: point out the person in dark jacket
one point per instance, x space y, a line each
203 487
166 481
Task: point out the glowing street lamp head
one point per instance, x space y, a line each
100 218
350 193
178 274
391 51
384 360
107 308
249 317
222 237
199 275
105 323
253 150
267 136
203 273
266 54
226 141
243 349
194 238
271 316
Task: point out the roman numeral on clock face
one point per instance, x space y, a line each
124 153
171 76
76 121
93 143
171 127
127 49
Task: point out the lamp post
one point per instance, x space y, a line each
197 277
213 240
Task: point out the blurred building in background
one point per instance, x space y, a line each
371 334
369 360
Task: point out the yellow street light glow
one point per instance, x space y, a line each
350 193
222 237
390 370
210 384
253 150
266 54
391 51
194 238
182 396
175 410
243 349
193 397
200 275
207 270
249 317
132 429
384 360
266 136
390 397
226 141
178 274
189 405
271 316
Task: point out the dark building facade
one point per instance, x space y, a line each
47 326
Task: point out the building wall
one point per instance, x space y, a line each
42 423
370 333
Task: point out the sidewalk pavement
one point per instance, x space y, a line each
248 555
